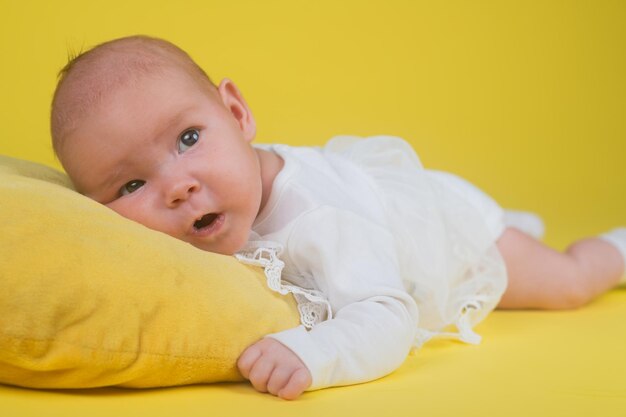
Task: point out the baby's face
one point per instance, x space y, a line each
173 157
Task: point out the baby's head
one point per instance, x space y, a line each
139 127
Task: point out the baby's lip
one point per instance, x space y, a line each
207 224
205 220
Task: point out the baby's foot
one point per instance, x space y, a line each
617 237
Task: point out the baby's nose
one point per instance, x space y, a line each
180 191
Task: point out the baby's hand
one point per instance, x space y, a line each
272 367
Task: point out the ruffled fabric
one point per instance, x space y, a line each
312 305
445 231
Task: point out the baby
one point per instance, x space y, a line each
381 254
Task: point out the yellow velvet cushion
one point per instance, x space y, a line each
89 298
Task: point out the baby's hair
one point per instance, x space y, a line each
89 76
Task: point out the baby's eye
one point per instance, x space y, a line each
131 186
187 139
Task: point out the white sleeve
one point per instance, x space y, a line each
353 262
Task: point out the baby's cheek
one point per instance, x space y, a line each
140 211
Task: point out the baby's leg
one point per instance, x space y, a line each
543 278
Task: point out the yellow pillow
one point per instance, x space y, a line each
89 298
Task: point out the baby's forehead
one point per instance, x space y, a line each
106 71
97 74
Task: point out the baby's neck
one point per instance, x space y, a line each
271 164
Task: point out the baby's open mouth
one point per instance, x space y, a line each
205 221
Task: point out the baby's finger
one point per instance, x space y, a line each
247 359
260 374
299 381
278 379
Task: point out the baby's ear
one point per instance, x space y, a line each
235 103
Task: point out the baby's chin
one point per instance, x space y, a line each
228 248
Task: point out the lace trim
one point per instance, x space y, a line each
315 308
465 331
312 305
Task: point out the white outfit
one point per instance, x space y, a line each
394 253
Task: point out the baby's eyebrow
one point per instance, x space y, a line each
106 182
168 123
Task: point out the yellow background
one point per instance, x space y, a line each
527 99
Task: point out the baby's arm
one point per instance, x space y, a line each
353 262
272 367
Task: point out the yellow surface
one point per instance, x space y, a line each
530 364
527 99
